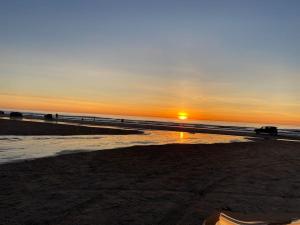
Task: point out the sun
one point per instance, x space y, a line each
182 115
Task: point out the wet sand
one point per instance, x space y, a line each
21 127
168 184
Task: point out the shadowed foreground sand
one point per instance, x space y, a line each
21 127
170 184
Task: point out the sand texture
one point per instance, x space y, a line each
170 184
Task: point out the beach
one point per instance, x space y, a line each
167 184
149 112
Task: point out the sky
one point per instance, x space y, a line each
215 60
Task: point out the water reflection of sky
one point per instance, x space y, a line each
26 147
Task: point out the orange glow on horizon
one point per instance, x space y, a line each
51 104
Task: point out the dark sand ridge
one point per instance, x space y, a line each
169 184
21 127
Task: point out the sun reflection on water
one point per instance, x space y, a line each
181 135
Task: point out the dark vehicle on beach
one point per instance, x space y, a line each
267 130
48 117
16 115
1 113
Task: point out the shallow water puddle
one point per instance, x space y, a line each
27 147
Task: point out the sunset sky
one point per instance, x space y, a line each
215 60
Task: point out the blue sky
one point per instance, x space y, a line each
207 57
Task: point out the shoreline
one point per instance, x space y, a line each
125 125
164 184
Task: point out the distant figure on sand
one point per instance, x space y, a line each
56 116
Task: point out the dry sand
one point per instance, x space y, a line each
170 184
21 127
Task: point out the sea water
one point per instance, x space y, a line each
14 148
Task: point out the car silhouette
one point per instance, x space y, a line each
48 117
267 130
16 115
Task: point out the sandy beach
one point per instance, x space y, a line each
168 184
21 127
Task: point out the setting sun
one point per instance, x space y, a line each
182 115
